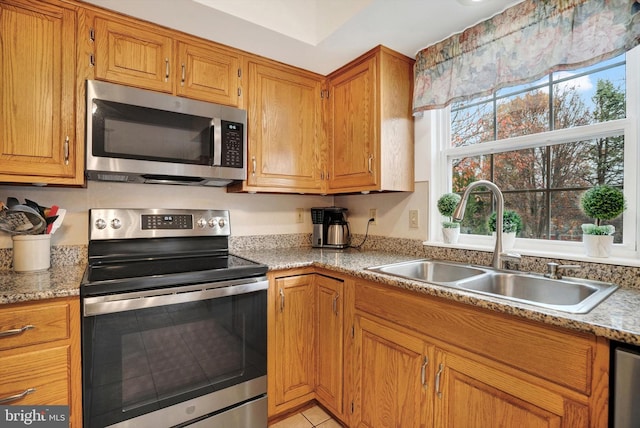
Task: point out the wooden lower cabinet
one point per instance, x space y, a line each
391 377
40 355
330 344
471 394
480 373
378 356
291 361
305 338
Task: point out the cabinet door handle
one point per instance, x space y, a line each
281 300
438 375
423 372
17 396
66 150
166 69
254 164
370 164
183 75
16 331
335 303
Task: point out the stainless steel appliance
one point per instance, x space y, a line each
174 328
625 402
140 136
330 228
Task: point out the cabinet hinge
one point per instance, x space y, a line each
239 91
92 60
92 34
353 332
239 72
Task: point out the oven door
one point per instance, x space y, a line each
174 356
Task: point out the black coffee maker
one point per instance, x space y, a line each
330 228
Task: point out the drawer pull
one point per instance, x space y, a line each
17 396
16 331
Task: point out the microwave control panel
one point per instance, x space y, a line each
232 153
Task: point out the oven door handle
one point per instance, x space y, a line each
100 305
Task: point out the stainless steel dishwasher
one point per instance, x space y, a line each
626 387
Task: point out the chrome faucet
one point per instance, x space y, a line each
498 256
553 269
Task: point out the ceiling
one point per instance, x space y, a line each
317 35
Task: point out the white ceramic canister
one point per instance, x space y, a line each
31 253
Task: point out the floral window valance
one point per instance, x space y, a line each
522 44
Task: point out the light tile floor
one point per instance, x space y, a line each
310 418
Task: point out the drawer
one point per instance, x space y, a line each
33 323
45 371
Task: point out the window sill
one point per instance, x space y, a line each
614 260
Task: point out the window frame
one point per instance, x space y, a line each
440 155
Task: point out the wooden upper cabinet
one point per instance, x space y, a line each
207 73
354 139
153 58
285 141
131 55
37 94
371 145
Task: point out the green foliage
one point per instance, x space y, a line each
450 224
511 222
603 203
592 229
447 205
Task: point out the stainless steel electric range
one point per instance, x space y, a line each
174 328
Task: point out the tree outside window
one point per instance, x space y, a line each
541 181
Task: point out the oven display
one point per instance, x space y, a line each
167 221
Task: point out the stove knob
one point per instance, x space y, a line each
201 223
213 223
116 223
221 223
101 224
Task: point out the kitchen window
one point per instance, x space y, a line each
544 143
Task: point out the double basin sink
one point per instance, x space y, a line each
572 295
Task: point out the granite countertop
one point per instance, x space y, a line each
616 318
58 281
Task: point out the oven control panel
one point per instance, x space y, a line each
131 223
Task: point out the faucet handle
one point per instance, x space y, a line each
553 269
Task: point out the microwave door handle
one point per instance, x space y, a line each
216 141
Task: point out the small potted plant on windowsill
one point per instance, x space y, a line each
602 202
511 226
447 205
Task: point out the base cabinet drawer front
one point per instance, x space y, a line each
30 326
43 375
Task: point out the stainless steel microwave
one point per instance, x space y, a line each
140 136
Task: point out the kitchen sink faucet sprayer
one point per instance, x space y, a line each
498 256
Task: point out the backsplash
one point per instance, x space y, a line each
625 276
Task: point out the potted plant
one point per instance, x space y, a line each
447 205
511 226
601 202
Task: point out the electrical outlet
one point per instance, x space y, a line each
299 215
414 219
373 213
